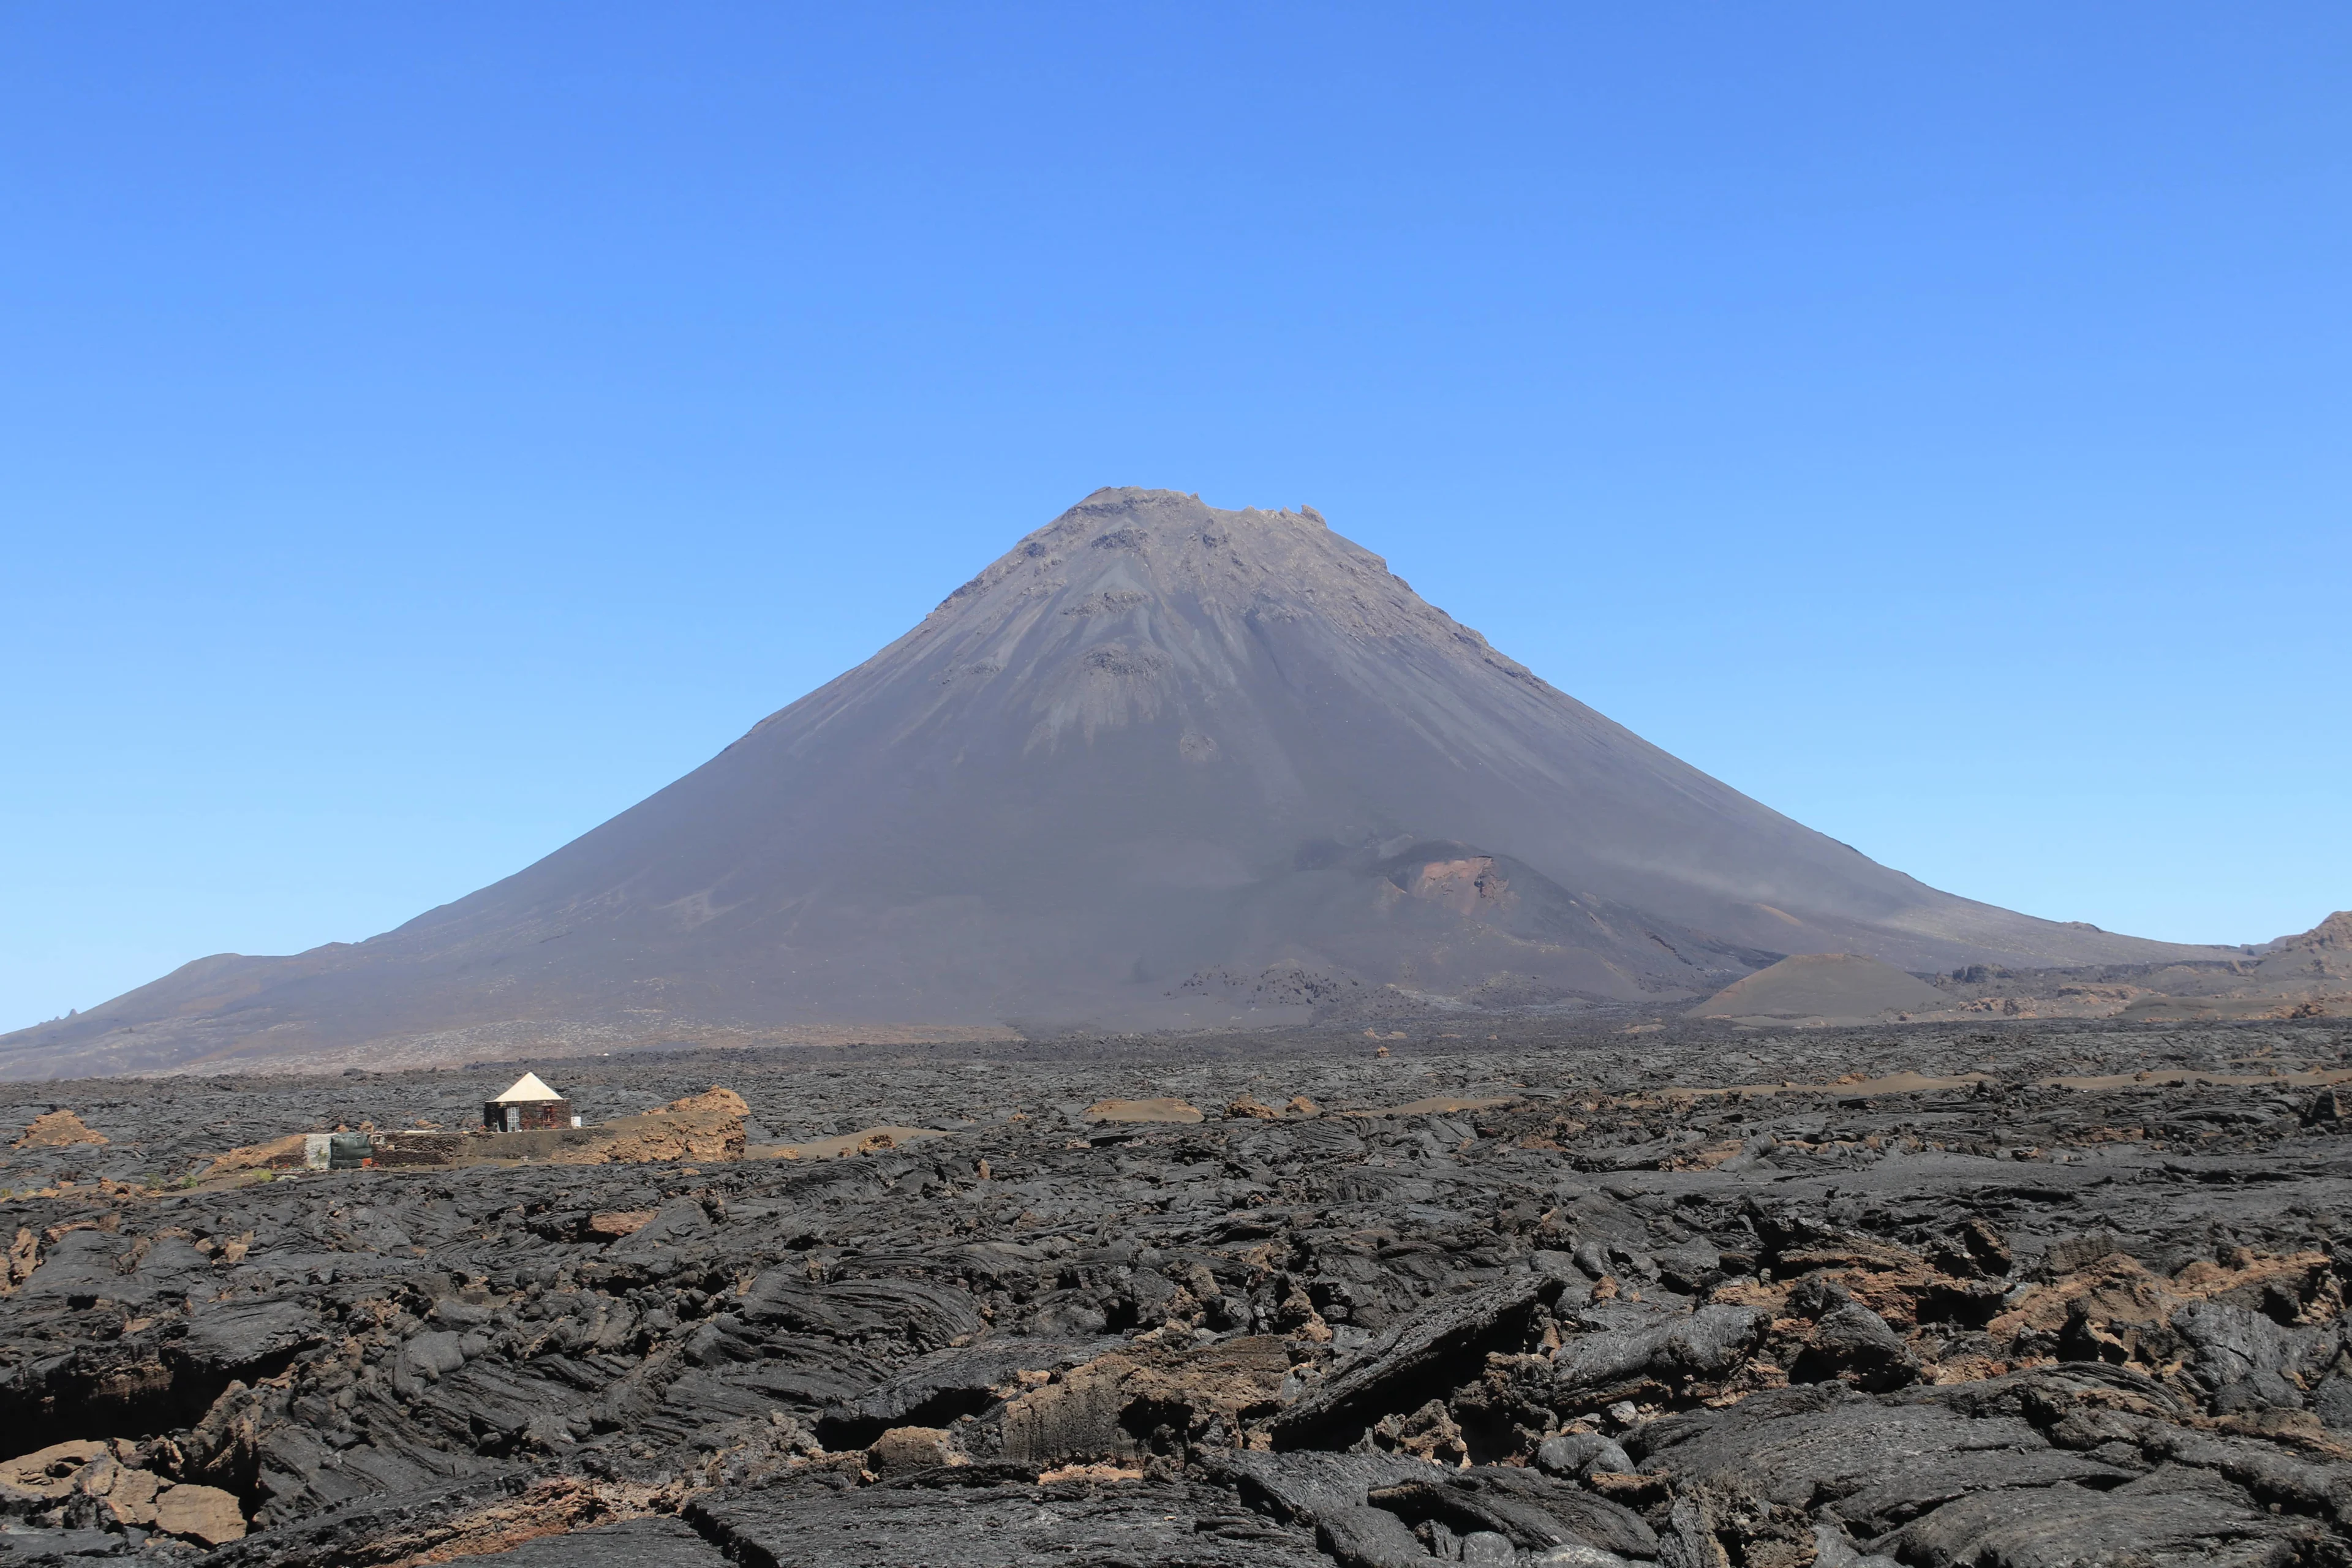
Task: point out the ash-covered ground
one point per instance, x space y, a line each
1995 1299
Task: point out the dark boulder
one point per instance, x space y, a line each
1666 1349
1425 1356
1853 1342
1369 1538
1581 1454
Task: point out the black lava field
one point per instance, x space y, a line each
1691 1296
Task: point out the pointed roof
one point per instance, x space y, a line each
526 1088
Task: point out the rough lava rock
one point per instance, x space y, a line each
1947 1298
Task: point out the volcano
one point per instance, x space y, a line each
1160 766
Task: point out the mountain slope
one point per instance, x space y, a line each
1159 764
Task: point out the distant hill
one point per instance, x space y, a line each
1824 986
1158 766
2307 975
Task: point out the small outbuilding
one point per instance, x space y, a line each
528 1103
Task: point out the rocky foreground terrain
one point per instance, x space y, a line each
2013 1294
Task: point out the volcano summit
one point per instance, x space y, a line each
1160 766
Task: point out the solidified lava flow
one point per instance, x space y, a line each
2015 1295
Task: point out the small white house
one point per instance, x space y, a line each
528 1104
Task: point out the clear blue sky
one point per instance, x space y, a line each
426 429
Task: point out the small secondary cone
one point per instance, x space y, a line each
1824 985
